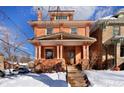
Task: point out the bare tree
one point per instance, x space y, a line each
93 60
9 45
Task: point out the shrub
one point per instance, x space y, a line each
49 65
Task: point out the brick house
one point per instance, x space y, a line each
61 37
1 61
109 47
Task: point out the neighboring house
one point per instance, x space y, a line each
109 48
10 65
1 61
61 37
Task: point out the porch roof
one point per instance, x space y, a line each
62 42
114 40
63 35
63 38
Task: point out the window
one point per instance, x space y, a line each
116 30
49 30
73 30
61 17
122 51
49 53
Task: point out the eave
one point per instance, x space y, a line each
62 38
64 23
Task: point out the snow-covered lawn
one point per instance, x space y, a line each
35 80
106 78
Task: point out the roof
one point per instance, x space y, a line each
114 39
121 11
61 11
108 21
108 17
78 23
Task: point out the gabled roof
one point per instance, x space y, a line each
63 35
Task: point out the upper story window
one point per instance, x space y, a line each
74 30
49 31
116 30
61 17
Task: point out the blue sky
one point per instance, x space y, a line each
19 15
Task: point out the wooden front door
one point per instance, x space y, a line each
69 55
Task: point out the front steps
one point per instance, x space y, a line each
76 78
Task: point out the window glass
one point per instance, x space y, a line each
73 30
49 54
116 30
122 51
49 30
61 17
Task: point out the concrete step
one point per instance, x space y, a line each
76 78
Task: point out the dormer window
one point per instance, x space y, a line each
49 31
73 30
61 17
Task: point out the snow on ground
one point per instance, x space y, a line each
106 78
35 80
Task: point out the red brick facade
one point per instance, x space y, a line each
72 47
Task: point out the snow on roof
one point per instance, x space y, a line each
118 37
108 17
24 64
10 62
31 62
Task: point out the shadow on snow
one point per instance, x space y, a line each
49 81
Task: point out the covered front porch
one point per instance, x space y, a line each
71 54
74 49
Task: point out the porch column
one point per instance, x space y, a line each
87 49
57 51
118 54
39 52
36 52
61 51
84 51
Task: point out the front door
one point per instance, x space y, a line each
71 57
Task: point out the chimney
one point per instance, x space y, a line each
39 14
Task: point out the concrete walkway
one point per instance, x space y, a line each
76 77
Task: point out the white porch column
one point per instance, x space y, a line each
39 52
84 51
57 51
118 54
61 51
36 57
87 52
